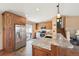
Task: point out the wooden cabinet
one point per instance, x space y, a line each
72 52
19 20
37 51
8 30
54 50
58 51
61 51
37 26
9 21
47 24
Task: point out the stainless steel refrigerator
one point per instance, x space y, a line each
20 36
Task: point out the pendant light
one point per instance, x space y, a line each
58 11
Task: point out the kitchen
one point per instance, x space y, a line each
61 45
39 32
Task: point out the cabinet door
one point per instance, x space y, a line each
61 51
54 50
72 53
8 42
36 51
39 53
49 25
58 51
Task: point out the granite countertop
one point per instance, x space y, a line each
43 43
64 43
61 42
46 43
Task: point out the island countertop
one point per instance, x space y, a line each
42 43
46 43
64 43
56 47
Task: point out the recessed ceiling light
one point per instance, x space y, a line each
37 9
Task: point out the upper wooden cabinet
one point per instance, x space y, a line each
37 26
19 20
9 21
47 24
16 19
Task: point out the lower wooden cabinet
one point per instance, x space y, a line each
72 53
55 51
37 51
59 51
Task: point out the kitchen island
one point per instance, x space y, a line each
41 47
58 47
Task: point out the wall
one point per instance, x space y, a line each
1 31
54 29
72 24
34 30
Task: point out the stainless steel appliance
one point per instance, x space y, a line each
20 36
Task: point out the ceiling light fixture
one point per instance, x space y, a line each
37 9
58 11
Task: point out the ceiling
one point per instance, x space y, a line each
44 12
